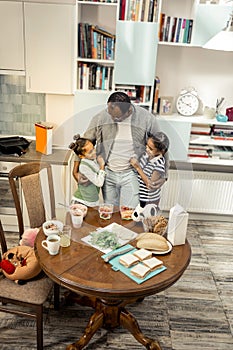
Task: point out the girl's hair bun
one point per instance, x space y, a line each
76 137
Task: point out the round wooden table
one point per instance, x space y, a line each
94 283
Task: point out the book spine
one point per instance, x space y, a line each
182 29
156 95
190 29
185 38
177 33
146 13
150 11
172 39
161 25
167 28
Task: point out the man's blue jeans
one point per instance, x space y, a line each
121 188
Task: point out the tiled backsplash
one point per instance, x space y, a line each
19 110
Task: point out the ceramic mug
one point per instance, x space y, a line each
52 244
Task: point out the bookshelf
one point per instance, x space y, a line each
201 139
129 64
181 64
96 36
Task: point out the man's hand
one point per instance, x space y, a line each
101 162
134 162
156 184
82 180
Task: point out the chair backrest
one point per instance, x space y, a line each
2 241
33 189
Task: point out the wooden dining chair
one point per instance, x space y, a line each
25 300
35 182
28 177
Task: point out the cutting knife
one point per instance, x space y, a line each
118 252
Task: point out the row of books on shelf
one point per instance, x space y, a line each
95 42
95 77
201 129
222 132
218 132
139 10
207 151
137 93
174 29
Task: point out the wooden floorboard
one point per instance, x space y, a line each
196 313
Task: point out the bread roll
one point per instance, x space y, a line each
145 235
152 241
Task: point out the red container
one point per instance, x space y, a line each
229 113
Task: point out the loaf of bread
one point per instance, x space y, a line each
152 241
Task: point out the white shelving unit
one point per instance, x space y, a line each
179 127
135 57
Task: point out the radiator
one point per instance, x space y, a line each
199 192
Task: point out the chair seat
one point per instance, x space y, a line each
34 292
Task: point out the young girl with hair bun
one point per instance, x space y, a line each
91 170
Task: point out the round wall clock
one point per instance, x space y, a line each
187 102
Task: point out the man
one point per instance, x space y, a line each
120 133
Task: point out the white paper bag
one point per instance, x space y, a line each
177 225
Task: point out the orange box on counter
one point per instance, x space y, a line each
44 137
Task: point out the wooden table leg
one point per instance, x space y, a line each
95 322
128 321
111 314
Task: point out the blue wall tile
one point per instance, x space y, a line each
19 110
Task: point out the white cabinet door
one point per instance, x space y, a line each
50 48
136 51
11 36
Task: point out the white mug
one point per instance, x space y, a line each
52 244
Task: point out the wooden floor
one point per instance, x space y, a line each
194 314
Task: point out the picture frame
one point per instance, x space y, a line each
166 105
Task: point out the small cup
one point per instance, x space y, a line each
105 211
77 217
65 236
52 244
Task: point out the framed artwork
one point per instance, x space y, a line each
166 105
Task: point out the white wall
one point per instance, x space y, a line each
209 71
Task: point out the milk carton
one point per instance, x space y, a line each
177 225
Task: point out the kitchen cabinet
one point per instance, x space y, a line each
11 38
50 47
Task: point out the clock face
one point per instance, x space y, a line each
187 104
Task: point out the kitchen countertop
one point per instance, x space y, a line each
58 157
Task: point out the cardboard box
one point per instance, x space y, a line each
44 137
177 225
